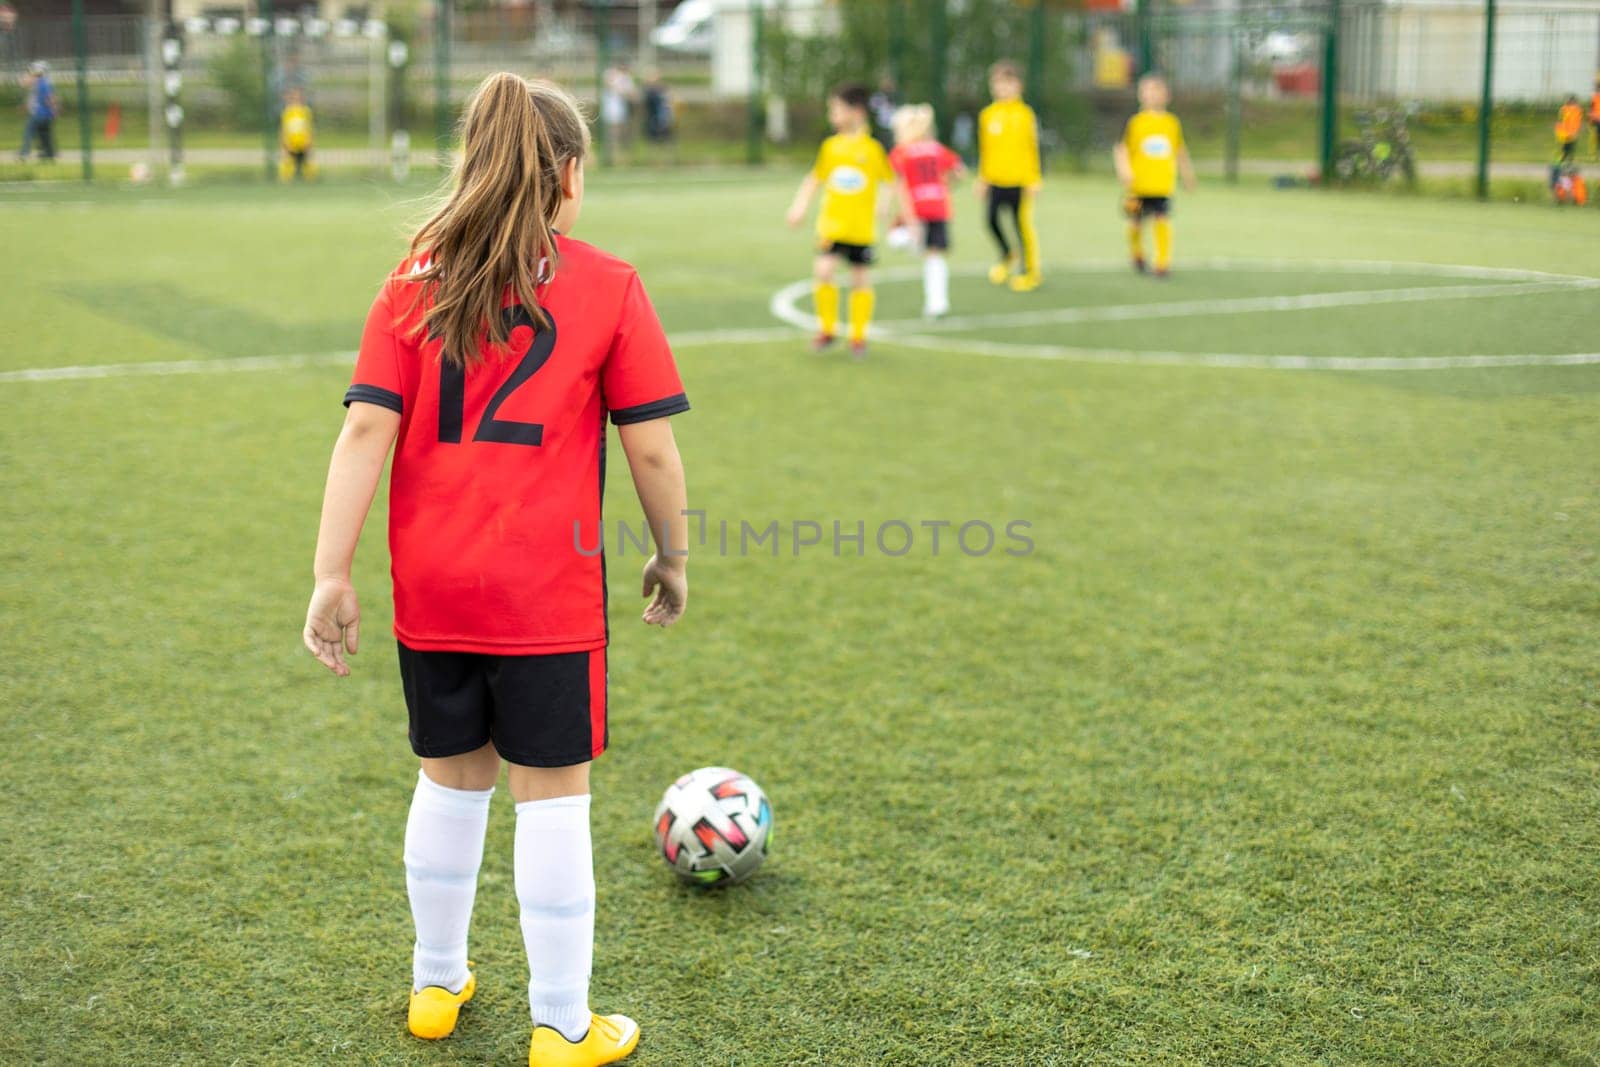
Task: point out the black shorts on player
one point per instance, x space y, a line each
855 255
539 711
936 235
1147 207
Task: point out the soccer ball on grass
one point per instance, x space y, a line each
713 826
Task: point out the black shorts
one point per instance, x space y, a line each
936 234
1005 196
857 255
539 711
1145 207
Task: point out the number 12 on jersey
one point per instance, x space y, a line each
453 389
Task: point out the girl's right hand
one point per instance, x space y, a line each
669 581
333 623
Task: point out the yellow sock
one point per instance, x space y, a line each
1136 240
861 301
1030 237
1163 228
827 298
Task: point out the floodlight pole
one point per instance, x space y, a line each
80 36
1486 105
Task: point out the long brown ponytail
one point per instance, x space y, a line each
494 233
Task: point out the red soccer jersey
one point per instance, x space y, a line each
923 166
497 469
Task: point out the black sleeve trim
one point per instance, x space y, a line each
371 394
656 409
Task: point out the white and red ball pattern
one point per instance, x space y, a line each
713 826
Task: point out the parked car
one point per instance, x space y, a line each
688 29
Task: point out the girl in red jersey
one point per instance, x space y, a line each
924 167
490 360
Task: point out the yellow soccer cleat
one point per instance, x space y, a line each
1024 283
434 1009
610 1038
1001 271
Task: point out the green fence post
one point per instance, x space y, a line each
441 84
1486 106
269 113
1330 90
758 69
1037 27
1230 157
602 60
939 47
80 37
1142 27
897 46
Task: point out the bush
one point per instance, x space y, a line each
236 70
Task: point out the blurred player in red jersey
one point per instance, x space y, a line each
924 167
490 360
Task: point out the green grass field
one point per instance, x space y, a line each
1279 748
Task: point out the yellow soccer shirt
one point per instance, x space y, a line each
1008 144
1153 140
295 129
850 167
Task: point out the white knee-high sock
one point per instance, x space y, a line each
935 285
555 886
444 846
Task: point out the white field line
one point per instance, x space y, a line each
1234 306
179 366
314 359
1067 354
783 307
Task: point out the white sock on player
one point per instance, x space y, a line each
935 285
444 846
555 886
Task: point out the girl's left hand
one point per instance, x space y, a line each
333 623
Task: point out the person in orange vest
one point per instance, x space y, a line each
1594 115
1569 127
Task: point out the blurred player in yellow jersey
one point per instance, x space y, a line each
1149 159
1009 177
294 134
850 169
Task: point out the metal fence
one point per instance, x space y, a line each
205 94
1303 90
